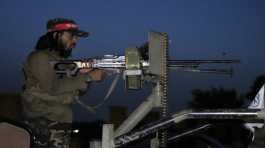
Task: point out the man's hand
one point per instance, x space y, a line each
85 71
97 74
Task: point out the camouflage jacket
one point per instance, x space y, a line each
46 94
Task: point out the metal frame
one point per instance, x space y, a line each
123 135
244 114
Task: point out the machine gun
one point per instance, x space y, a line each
134 66
151 64
117 64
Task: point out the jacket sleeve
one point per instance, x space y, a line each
48 80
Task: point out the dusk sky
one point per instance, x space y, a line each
198 29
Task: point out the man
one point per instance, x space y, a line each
47 97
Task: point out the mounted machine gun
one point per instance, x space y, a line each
146 64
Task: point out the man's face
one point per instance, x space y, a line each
66 42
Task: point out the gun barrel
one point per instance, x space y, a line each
71 67
173 63
214 71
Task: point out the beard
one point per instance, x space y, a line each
62 48
65 53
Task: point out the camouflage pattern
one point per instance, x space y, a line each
47 99
60 138
46 136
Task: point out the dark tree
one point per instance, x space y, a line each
215 98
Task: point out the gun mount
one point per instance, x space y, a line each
148 63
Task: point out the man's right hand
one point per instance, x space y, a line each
85 71
97 74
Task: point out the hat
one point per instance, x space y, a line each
63 24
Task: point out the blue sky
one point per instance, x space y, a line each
198 29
